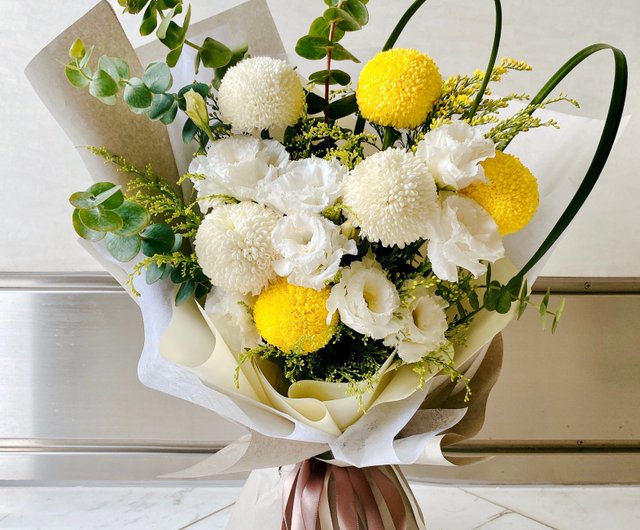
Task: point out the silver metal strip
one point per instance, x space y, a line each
103 282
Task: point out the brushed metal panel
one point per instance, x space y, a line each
71 408
68 369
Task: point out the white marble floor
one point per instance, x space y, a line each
208 508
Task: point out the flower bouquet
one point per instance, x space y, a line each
333 266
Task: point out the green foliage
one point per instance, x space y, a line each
322 40
147 95
160 200
102 211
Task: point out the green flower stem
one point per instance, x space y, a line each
607 138
492 60
192 45
389 138
326 80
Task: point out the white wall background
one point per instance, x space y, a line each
39 167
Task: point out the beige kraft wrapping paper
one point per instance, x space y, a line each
404 424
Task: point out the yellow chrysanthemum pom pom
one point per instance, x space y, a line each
399 88
293 318
510 196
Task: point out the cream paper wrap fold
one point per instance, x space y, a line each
184 354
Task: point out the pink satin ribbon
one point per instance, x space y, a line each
354 502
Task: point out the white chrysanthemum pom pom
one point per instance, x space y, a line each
260 92
234 247
463 235
424 323
453 153
391 196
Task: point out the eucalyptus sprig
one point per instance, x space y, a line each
146 95
160 16
323 41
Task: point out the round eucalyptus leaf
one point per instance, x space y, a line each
77 49
312 47
101 220
75 77
114 66
335 77
137 95
214 54
343 19
157 77
107 194
102 85
170 115
83 200
157 239
161 104
185 292
134 218
154 273
123 248
357 10
82 230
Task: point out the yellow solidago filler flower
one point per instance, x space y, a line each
399 88
293 318
510 195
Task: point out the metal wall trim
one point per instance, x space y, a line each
103 282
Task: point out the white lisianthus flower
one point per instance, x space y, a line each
231 313
453 153
311 248
234 247
391 196
366 300
424 324
260 92
462 235
309 185
234 166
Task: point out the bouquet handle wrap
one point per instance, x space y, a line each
318 495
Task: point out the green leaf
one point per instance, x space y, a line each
161 103
514 286
175 36
214 54
312 47
137 95
107 194
342 19
170 115
189 131
200 88
545 302
154 273
201 290
177 243
75 77
340 53
134 218
109 100
161 32
237 55
157 77
332 3
166 271
82 230
149 21
102 85
100 220
173 56
315 103
335 77
357 10
504 301
321 27
556 318
77 49
185 292
86 57
157 239
82 200
115 67
473 301
343 107
123 248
